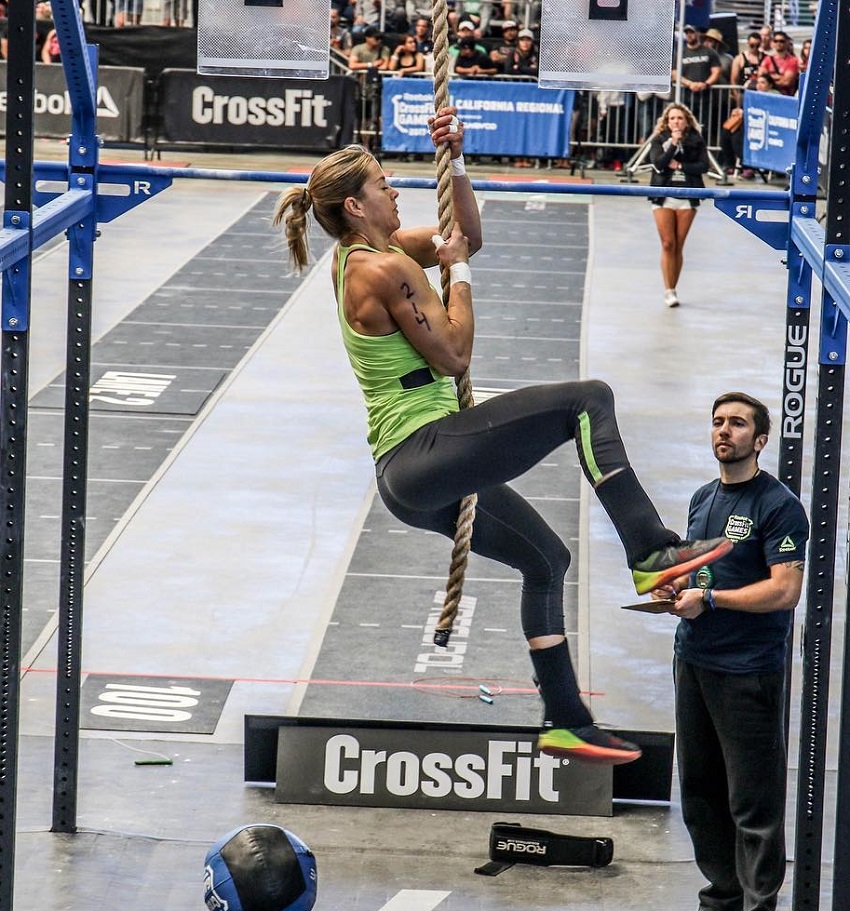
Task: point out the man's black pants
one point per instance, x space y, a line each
732 770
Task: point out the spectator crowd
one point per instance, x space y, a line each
608 127
506 49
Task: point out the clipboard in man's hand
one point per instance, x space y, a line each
658 606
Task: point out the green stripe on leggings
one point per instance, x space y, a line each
587 447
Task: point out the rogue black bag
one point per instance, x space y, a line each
511 843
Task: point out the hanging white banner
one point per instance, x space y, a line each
615 45
264 38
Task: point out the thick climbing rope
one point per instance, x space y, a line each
445 213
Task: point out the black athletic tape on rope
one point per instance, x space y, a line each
512 843
441 637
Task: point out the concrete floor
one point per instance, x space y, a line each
229 561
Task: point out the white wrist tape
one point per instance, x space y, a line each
458 166
460 272
453 124
437 241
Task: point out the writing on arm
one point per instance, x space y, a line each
442 335
410 295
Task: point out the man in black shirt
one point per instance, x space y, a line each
500 54
701 69
470 61
729 666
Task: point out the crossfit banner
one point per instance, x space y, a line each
120 102
241 111
500 118
770 124
431 768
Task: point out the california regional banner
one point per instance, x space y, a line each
770 122
500 118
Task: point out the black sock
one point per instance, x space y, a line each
634 517
561 700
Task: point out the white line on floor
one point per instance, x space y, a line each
415 900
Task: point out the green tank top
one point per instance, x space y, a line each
401 391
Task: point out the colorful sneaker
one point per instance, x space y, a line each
588 744
676 560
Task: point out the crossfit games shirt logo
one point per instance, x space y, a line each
738 528
213 901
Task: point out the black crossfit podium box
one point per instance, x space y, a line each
438 766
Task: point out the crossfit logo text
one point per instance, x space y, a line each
507 771
293 108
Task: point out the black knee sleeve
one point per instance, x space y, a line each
633 515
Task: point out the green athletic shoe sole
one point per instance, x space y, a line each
669 563
587 744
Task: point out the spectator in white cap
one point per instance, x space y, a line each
508 43
466 30
523 60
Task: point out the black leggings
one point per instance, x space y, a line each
478 450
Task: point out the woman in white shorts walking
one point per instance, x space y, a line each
679 159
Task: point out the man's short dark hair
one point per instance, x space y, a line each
372 31
781 35
761 416
754 35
